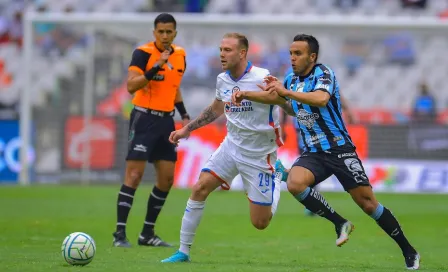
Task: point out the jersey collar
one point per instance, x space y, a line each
310 74
247 70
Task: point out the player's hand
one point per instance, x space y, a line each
237 97
185 122
176 135
269 79
276 86
164 58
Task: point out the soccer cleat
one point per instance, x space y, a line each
177 257
343 232
280 171
412 261
120 239
154 241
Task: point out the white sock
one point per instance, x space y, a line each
276 196
190 222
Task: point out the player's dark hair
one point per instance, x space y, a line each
313 44
242 40
165 18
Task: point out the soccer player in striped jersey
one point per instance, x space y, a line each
313 97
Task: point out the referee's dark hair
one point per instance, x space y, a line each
313 44
165 18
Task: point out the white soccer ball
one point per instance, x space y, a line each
78 248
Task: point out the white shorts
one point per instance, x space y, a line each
257 172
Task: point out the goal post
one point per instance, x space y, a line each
119 33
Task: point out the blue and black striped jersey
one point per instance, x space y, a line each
321 128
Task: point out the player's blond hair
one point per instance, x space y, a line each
242 39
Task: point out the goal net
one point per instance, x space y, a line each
75 107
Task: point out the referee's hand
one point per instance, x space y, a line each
176 135
163 58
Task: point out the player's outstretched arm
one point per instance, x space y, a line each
210 114
260 97
317 98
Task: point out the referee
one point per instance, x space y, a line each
154 77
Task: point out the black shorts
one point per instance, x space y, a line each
341 161
148 137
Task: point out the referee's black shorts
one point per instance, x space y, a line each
149 131
341 161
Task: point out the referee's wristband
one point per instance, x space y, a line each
152 72
182 111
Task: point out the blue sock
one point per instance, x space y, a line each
378 212
301 196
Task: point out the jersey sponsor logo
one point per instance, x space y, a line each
158 77
325 80
323 86
307 119
299 87
337 138
231 107
351 154
315 139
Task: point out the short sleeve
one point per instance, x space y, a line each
218 95
139 60
325 81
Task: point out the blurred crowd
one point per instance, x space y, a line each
203 58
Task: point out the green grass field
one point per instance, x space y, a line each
35 220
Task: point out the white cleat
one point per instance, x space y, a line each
343 232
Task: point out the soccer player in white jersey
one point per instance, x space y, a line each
249 149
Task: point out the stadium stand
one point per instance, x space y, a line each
401 60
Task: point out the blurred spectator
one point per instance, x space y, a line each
424 106
271 58
400 49
16 28
415 4
198 58
444 14
168 6
346 4
4 32
195 5
354 53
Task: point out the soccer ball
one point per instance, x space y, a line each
78 249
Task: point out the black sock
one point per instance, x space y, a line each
390 225
124 204
155 203
317 204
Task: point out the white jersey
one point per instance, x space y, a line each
253 127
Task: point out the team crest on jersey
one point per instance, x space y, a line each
235 89
307 119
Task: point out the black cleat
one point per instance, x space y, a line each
120 239
412 261
154 241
